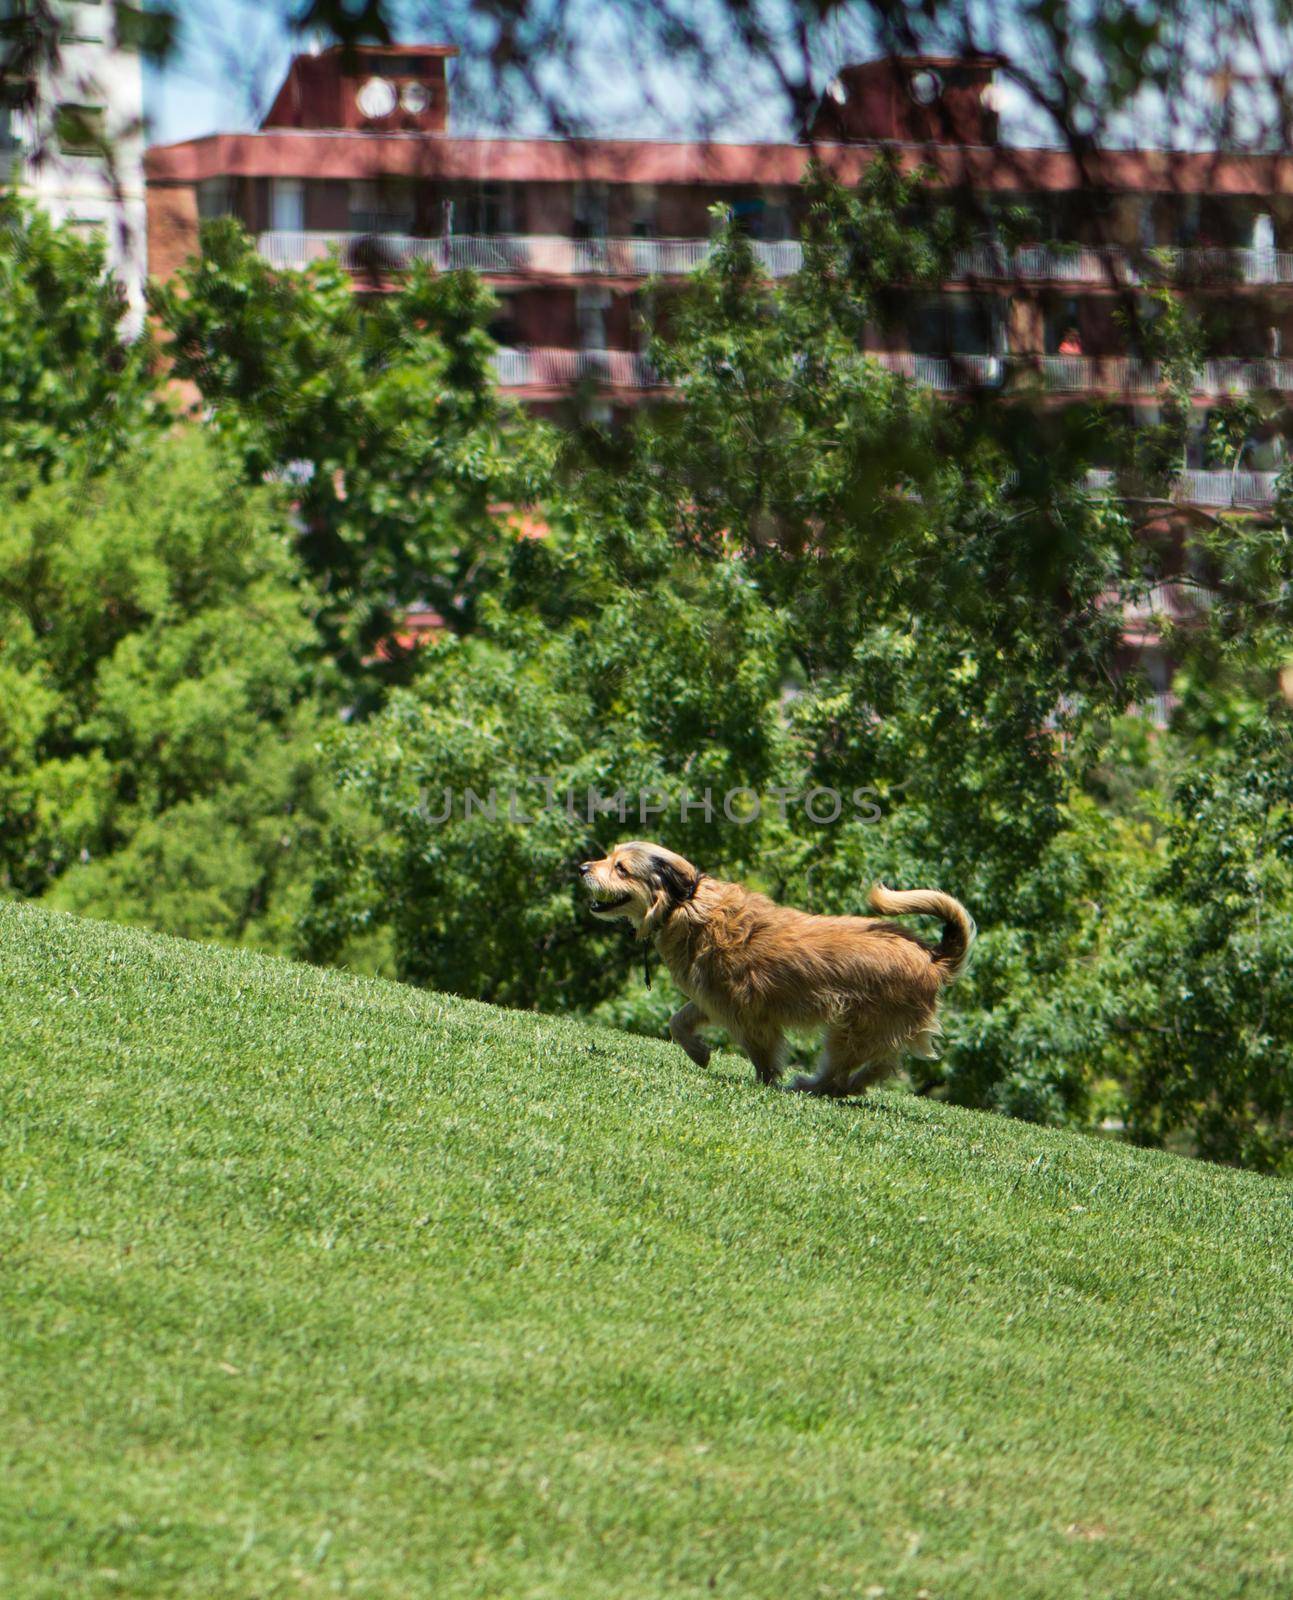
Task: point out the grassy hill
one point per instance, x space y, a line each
312 1286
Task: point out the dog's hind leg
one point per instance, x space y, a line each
871 1073
882 1056
840 1061
682 1029
851 1062
766 1052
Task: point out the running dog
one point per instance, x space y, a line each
757 968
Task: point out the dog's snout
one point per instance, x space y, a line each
585 867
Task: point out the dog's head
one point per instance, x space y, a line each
640 882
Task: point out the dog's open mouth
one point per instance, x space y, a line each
609 905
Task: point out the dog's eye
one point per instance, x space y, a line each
622 870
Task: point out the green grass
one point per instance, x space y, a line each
311 1285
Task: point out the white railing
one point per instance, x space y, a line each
1223 375
544 255
1226 488
560 256
1074 374
1086 374
1158 709
1043 262
1244 375
1208 488
1065 263
1231 265
943 372
1173 598
542 367
545 367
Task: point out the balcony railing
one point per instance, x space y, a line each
554 255
562 368
545 368
1061 263
506 255
1221 376
1202 488
945 372
1121 375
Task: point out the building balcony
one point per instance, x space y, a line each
556 256
516 255
946 373
1151 266
1113 376
546 368
1219 490
1226 375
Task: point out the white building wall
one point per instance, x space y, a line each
89 191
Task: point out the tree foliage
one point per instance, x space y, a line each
162 696
382 414
71 383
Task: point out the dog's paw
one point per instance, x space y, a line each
697 1049
806 1085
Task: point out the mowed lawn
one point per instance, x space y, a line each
312 1285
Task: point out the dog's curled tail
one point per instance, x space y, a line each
953 951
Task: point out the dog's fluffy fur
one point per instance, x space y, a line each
757 968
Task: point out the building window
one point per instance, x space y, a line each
88 226
82 23
215 199
81 130
1188 217
381 207
642 210
957 325
775 220
486 209
1063 330
591 211
287 205
504 328
762 216
591 306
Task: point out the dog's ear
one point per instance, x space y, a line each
672 887
677 885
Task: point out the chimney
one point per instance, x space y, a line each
369 89
911 100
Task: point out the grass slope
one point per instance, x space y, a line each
312 1285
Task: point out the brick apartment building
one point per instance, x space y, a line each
359 158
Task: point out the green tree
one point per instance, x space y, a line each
71 383
1202 1004
383 415
1197 1017
164 691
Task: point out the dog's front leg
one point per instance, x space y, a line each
682 1029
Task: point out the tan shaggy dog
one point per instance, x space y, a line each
757 968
